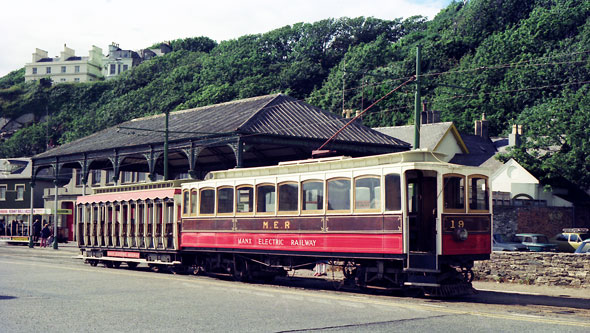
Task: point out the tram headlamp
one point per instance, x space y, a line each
461 234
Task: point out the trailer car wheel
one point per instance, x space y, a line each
131 264
108 264
116 264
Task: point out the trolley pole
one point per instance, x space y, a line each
166 145
417 99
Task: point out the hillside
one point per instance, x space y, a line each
517 61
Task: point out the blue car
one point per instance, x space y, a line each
535 242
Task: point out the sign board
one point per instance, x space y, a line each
36 211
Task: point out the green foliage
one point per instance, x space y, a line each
13 78
517 61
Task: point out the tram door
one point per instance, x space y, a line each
421 194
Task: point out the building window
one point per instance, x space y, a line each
125 67
20 192
77 79
96 176
34 70
62 80
141 177
110 176
77 69
126 177
2 192
63 69
48 70
113 67
78 177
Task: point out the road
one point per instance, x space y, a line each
48 290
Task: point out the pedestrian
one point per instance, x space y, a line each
45 232
13 227
36 230
2 231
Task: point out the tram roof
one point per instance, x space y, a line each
274 115
331 163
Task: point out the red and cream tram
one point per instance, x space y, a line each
391 221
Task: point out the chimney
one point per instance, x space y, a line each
346 113
67 53
514 139
429 117
39 54
481 127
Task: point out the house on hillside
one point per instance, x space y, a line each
118 61
66 68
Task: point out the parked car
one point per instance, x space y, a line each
584 247
503 243
570 238
535 242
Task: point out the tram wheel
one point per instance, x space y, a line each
131 264
93 263
241 270
116 264
108 264
467 275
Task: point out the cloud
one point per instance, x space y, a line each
136 24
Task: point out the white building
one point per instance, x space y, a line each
66 68
119 61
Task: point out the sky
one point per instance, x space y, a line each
137 24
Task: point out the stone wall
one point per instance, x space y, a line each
536 268
544 220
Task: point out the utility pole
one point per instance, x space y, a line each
417 99
166 145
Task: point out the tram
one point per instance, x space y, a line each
394 221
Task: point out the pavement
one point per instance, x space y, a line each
71 249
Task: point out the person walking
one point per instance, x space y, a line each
36 230
45 233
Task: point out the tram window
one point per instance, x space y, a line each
478 193
225 200
339 194
194 202
265 202
393 194
207 201
367 193
412 198
244 198
454 193
288 193
185 202
313 195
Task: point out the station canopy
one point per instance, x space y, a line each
255 131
